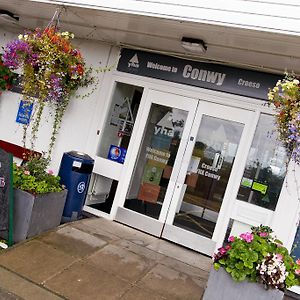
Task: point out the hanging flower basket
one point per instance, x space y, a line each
286 98
53 70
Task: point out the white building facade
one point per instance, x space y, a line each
183 141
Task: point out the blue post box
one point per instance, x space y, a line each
75 173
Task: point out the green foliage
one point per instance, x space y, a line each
251 254
33 177
286 96
7 77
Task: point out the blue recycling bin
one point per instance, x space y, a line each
75 173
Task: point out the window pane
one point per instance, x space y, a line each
208 173
102 192
156 159
266 167
120 121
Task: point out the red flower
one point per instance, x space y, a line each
79 69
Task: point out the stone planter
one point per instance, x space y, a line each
220 285
36 214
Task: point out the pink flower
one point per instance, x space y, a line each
50 172
222 250
279 256
298 261
263 234
247 237
26 172
231 239
228 247
297 271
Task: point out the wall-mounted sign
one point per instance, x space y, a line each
24 112
117 154
223 78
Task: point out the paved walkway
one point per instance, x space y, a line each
99 259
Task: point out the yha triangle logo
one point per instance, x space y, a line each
165 126
134 62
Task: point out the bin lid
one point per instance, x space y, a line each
81 156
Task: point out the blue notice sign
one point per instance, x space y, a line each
117 154
24 112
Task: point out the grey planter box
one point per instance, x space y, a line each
221 286
36 214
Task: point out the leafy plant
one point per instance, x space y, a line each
7 77
286 98
53 70
34 178
258 257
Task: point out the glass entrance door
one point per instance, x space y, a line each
179 180
202 191
155 165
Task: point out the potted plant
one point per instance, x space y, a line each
39 199
254 265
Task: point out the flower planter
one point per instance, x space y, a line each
220 285
36 214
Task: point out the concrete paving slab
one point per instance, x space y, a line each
140 250
83 281
95 230
73 241
198 275
121 262
171 284
23 288
35 260
121 231
5 295
182 254
136 293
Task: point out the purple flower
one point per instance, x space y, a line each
55 89
247 237
12 52
33 59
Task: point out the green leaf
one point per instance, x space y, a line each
217 266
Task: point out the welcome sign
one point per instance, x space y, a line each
223 78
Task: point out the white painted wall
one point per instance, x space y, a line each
266 15
78 117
